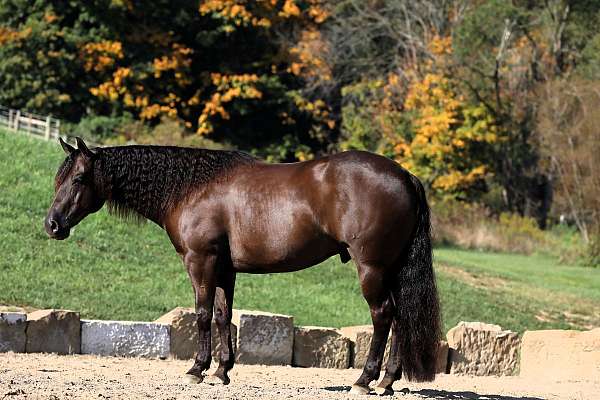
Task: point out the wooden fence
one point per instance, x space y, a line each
41 126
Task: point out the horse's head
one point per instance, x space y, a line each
76 195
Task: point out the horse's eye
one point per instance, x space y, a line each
77 180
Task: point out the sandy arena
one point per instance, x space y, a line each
42 376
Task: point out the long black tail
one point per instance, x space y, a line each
418 309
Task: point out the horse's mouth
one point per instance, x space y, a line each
60 235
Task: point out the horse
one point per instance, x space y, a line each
227 212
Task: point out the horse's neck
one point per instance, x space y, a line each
133 192
151 181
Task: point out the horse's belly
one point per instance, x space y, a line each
270 255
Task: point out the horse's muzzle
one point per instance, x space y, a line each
55 229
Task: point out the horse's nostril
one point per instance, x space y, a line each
53 226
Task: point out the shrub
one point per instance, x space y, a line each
592 256
169 132
474 226
99 128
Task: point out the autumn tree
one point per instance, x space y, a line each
230 70
39 54
569 140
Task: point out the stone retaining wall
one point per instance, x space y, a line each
472 348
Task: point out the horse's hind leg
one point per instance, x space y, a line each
223 307
393 370
372 282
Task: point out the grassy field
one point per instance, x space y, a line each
114 270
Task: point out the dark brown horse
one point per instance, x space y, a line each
227 212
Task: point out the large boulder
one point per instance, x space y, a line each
125 338
12 332
561 355
184 333
482 349
53 331
264 338
320 347
360 342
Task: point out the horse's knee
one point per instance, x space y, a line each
203 317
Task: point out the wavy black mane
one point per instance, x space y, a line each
147 181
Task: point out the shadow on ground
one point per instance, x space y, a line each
444 394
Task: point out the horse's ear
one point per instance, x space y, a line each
81 146
66 146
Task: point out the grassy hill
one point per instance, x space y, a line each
114 270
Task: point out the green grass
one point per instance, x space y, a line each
110 269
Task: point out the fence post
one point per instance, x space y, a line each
47 133
17 118
57 128
29 130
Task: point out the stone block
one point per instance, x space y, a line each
184 334
125 338
53 331
12 332
320 348
482 349
561 355
264 338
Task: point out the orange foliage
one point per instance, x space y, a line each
444 125
175 61
307 58
100 56
228 88
8 35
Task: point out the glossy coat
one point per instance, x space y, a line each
245 215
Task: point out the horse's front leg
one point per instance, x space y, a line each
223 309
201 269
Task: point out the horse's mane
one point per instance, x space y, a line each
147 181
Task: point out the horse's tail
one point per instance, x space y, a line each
416 298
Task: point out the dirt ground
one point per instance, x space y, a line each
42 376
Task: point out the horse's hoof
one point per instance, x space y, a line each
358 389
383 391
216 380
189 378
